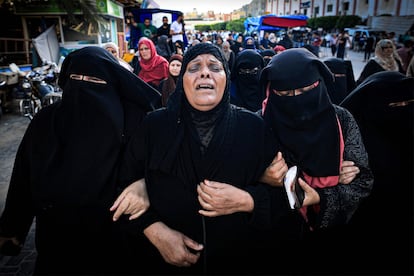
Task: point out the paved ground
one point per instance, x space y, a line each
12 127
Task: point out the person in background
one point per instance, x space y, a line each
167 86
286 41
267 55
250 43
228 54
279 48
308 127
152 67
219 41
383 106
177 30
264 42
341 44
245 88
406 53
316 42
114 50
386 59
272 40
344 78
146 29
332 43
369 47
179 47
238 44
134 32
65 174
163 48
164 29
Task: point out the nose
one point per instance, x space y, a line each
205 72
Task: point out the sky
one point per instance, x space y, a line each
202 6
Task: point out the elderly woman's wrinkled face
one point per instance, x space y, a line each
204 82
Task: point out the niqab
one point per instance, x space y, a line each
245 75
306 125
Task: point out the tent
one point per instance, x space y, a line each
273 22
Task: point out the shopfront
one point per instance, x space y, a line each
37 18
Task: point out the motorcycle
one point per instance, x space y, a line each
36 89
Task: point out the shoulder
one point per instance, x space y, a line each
346 119
247 117
341 111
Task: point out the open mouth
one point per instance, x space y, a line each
205 86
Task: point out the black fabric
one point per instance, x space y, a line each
246 85
344 78
373 67
238 153
388 134
305 125
65 172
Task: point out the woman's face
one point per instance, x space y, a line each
144 51
387 49
204 81
175 67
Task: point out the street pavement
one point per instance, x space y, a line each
12 127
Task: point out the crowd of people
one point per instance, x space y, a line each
176 163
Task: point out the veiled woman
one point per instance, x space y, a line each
383 106
245 88
324 141
66 169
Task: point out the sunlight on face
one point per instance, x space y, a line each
204 82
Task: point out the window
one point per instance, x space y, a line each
345 6
329 8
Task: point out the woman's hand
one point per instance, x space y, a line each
275 172
348 172
219 199
311 195
175 248
132 201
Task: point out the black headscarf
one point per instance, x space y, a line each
388 131
202 124
306 125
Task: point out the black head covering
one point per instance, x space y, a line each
388 131
267 54
102 104
182 115
247 89
344 78
305 125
